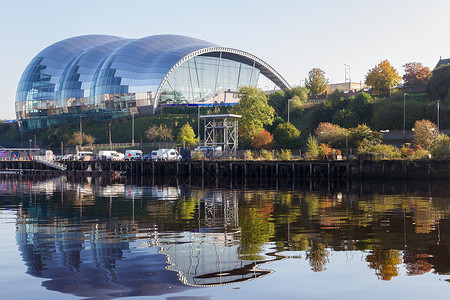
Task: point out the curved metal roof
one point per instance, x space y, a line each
92 65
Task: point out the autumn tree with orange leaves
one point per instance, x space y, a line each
416 75
262 140
382 77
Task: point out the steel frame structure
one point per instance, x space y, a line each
221 130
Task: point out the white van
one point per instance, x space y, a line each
166 154
106 154
133 154
85 155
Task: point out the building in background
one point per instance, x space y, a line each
101 77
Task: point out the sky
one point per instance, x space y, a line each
293 36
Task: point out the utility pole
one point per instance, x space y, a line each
438 102
110 143
404 115
132 130
198 124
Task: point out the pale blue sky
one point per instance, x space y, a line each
292 36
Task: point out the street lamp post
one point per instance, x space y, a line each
30 148
132 129
404 115
289 101
438 102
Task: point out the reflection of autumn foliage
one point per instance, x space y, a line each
416 263
256 231
186 208
384 262
317 256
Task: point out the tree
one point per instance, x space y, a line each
296 106
312 147
186 136
416 75
254 109
382 77
262 140
76 139
165 133
331 134
79 139
425 133
363 135
439 83
88 139
152 133
287 135
316 82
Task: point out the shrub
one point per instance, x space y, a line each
248 155
312 147
266 154
287 135
285 154
441 145
331 134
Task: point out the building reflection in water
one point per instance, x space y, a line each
87 247
90 238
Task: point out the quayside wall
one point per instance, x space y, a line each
432 169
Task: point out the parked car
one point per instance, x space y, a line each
118 156
208 151
133 154
146 157
84 155
166 154
106 154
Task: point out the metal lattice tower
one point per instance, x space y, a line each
221 130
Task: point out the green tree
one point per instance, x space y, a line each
316 82
287 136
312 146
361 108
363 135
255 111
186 136
382 77
439 83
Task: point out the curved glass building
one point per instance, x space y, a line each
101 77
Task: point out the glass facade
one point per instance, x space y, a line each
102 77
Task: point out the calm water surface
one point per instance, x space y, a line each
175 238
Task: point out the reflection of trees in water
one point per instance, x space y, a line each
255 232
317 255
416 263
385 262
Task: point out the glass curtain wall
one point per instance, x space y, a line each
208 80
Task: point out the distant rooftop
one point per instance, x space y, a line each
442 62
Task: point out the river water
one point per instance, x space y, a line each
191 238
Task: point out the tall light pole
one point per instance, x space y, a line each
81 131
438 102
289 101
404 115
132 129
198 123
110 142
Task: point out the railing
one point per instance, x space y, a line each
52 164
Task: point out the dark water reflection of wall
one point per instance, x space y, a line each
154 236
